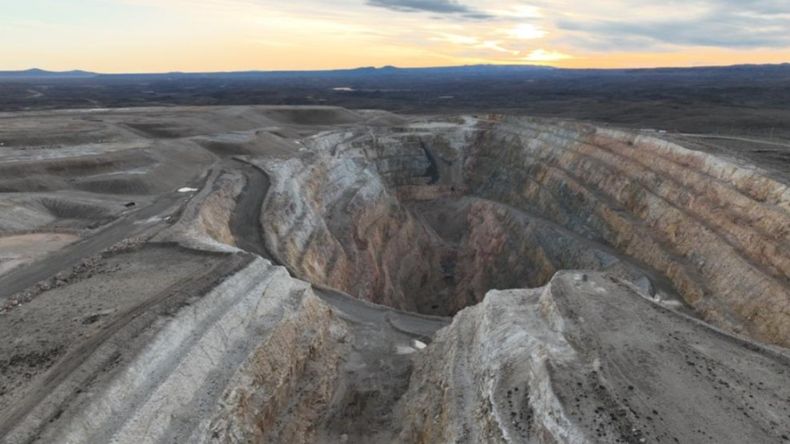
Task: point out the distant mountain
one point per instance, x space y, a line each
467 72
36 73
363 72
368 71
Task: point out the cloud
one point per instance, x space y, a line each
450 7
543 56
456 39
495 45
731 24
756 6
474 43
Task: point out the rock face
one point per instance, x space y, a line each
179 371
338 224
719 231
460 207
300 275
587 359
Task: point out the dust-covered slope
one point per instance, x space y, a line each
588 359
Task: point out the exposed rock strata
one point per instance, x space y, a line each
337 223
718 230
587 359
669 219
249 342
205 221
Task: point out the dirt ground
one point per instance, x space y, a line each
25 248
60 320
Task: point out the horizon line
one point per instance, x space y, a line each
384 67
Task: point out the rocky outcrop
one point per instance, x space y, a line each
227 367
588 359
204 223
286 384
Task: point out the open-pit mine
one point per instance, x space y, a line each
322 275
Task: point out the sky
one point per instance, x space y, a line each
230 35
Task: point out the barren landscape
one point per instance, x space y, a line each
320 274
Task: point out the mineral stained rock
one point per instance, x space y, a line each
314 274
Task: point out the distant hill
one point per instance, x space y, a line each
468 70
387 72
36 73
363 72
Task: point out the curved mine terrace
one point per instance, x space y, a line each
315 274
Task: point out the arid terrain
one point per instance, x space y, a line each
303 274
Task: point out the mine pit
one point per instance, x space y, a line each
429 221
315 274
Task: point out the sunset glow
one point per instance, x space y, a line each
223 35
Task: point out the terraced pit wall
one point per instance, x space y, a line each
429 218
